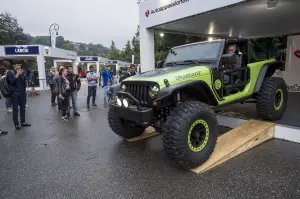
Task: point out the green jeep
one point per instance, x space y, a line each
179 97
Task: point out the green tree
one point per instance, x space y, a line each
135 43
114 53
127 53
10 31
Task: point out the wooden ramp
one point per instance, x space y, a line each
149 132
237 141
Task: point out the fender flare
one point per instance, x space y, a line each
262 75
168 91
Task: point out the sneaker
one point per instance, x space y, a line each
3 132
65 119
18 127
9 110
94 104
76 114
25 124
53 104
26 106
88 106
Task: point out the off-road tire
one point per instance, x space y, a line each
122 128
266 97
177 128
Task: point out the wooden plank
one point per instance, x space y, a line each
149 132
237 141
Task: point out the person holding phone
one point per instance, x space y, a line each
16 79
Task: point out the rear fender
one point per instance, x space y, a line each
267 70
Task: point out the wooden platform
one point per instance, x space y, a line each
149 132
237 141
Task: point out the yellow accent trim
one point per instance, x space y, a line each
204 123
277 108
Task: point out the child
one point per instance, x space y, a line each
108 92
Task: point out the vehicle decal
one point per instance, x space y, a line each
218 84
187 76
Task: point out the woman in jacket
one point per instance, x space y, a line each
63 92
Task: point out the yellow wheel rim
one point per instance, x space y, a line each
278 102
198 138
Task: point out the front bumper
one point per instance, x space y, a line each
141 115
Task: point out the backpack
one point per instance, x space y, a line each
5 87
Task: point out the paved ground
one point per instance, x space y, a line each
84 159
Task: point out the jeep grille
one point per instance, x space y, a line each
141 91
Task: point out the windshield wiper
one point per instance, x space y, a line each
191 61
170 64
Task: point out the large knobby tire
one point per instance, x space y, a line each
122 127
272 99
190 134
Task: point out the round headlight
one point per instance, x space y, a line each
119 102
154 91
125 103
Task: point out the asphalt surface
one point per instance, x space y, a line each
84 159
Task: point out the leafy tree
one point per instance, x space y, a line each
10 31
127 53
114 53
135 43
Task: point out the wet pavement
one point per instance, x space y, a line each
84 159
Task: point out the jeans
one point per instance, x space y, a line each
18 100
91 92
53 95
64 104
73 97
8 103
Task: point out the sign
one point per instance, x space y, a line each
158 12
88 59
112 62
292 66
21 50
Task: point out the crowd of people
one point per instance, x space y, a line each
64 86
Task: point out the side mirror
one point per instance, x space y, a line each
159 64
229 59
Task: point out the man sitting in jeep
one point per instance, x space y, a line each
232 48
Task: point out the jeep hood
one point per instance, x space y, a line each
174 74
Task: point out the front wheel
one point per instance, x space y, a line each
123 128
190 134
272 99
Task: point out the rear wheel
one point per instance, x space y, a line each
272 99
190 134
123 128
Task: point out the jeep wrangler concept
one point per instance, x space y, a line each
179 97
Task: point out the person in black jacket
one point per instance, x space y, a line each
17 81
63 92
75 85
130 73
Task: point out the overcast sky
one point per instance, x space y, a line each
96 21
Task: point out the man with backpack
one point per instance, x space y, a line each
6 91
75 85
16 80
52 77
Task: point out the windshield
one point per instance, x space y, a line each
208 51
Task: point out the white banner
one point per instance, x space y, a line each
292 67
53 39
